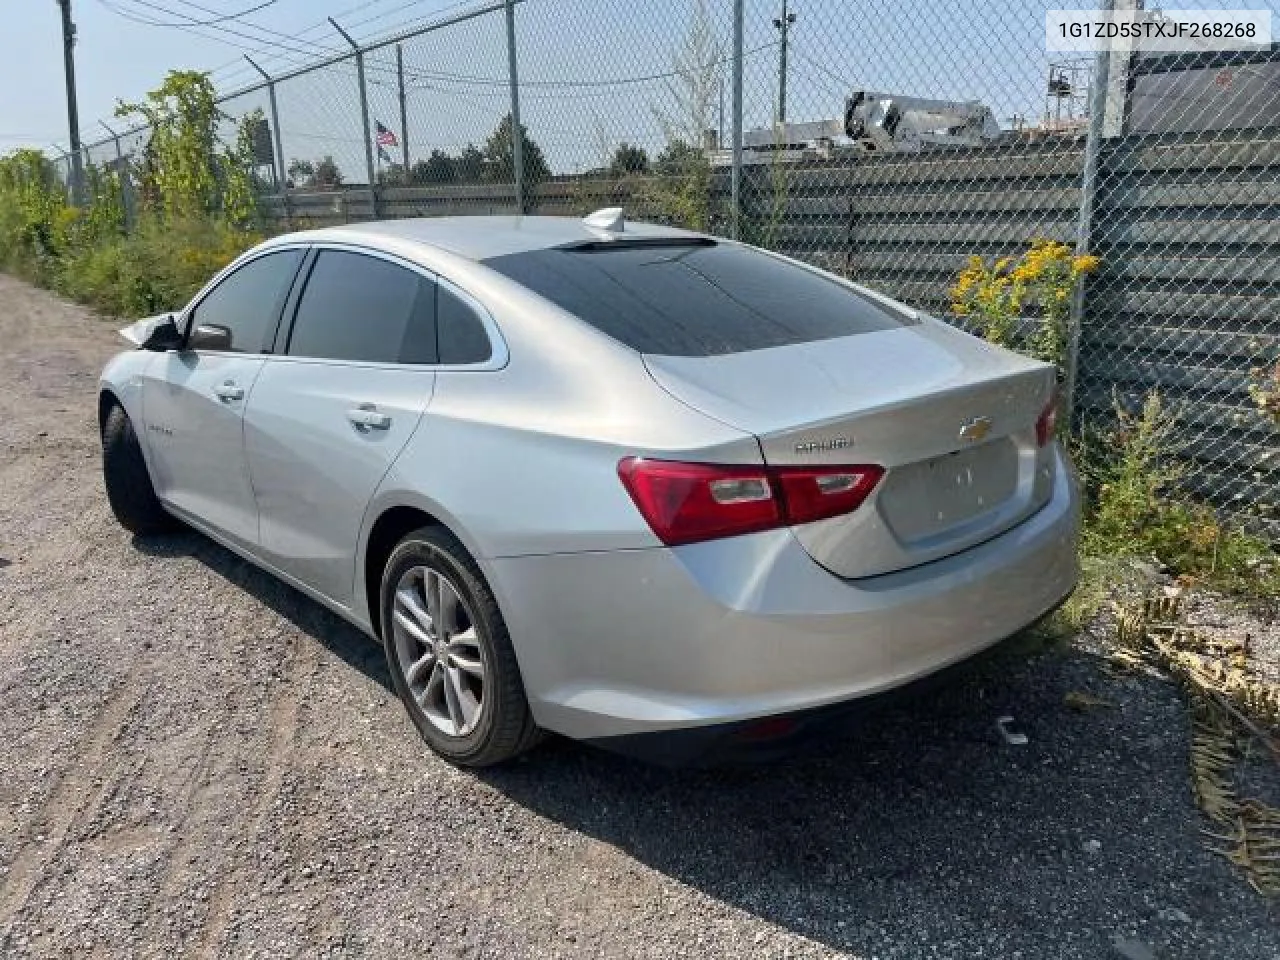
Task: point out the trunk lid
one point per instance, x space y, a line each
950 418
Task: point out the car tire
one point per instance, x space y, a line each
503 725
129 491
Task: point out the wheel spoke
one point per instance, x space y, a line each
464 653
428 700
467 699
433 584
453 699
410 626
420 666
407 600
447 623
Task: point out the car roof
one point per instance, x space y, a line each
479 238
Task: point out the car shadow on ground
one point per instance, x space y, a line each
328 629
922 827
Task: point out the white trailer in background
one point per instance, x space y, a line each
873 123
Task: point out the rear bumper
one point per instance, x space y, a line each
641 641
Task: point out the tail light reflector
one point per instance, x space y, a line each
688 502
1047 422
816 493
691 502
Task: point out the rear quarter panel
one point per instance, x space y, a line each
523 459
526 463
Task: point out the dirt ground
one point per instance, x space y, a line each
197 761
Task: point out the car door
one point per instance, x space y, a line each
331 411
194 399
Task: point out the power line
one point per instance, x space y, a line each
819 66
301 53
349 10
371 58
299 35
191 22
572 84
330 51
424 78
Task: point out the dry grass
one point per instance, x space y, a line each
1233 714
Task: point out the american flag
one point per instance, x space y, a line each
385 137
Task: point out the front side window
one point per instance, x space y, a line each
245 305
364 309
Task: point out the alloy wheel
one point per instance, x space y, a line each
438 650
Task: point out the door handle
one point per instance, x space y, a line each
367 417
228 391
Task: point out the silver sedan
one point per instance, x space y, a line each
623 482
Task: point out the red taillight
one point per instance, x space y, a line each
816 493
1047 422
689 502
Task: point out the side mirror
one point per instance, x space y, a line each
165 335
209 336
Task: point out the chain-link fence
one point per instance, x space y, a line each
887 140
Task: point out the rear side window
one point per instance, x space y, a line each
695 300
247 302
363 308
462 335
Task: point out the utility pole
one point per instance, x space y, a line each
73 114
783 23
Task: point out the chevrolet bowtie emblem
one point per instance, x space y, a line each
975 429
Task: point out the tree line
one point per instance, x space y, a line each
493 162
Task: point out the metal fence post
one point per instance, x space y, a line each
735 176
404 116
517 132
1115 112
278 166
122 171
364 118
64 163
1084 223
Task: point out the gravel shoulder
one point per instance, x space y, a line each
198 761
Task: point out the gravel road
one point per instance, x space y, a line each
197 761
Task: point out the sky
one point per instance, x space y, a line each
117 57
593 72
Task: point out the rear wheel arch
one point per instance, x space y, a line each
396 517
392 526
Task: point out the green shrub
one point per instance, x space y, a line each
1135 507
196 209
157 267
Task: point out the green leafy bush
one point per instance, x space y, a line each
1135 507
157 267
196 209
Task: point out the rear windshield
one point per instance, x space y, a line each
695 300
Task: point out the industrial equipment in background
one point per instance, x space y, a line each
872 123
